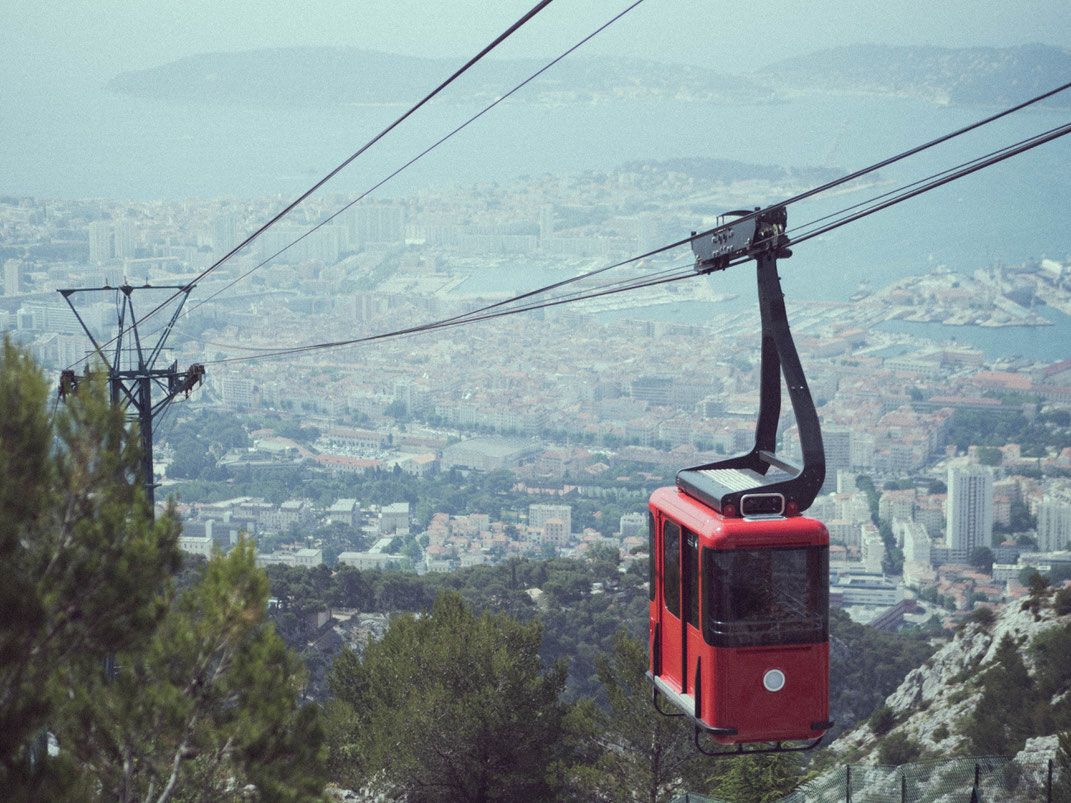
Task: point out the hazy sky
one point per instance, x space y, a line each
104 37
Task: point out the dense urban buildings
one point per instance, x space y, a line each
557 400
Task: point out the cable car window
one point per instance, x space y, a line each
761 597
652 556
671 566
690 576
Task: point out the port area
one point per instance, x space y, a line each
990 297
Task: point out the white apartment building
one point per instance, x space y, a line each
970 510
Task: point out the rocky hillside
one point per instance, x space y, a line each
1003 681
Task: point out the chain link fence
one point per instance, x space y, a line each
988 779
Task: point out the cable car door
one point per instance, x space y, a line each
672 637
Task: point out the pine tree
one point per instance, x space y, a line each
150 695
758 779
448 706
81 558
996 728
207 706
640 755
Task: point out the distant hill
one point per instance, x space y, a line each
963 76
328 76
310 76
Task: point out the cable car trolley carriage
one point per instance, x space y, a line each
739 591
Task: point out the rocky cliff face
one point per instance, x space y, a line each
935 701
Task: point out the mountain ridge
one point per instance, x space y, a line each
305 76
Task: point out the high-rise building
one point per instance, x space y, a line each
970 511
224 233
914 540
11 277
836 441
377 223
1054 522
123 243
872 548
845 481
100 242
555 532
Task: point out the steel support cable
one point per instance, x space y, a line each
902 155
802 196
673 274
617 287
902 194
904 187
290 207
935 181
942 179
418 157
496 310
795 199
633 282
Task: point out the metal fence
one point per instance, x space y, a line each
988 779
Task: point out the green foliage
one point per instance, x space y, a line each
636 752
199 441
397 410
1051 706
82 556
579 626
1062 602
1020 522
981 558
448 706
896 749
758 779
995 429
209 701
990 456
983 616
866 485
1061 789
868 668
882 720
996 728
150 692
1038 585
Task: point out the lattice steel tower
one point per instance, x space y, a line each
133 377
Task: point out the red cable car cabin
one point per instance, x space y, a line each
749 655
739 586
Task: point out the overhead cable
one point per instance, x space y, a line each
664 277
418 157
683 242
501 308
940 179
290 207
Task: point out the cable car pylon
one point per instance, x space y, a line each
739 584
133 378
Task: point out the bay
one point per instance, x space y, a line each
80 141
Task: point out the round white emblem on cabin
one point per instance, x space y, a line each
774 680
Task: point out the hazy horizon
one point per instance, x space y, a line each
106 38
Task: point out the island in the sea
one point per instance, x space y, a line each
323 76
